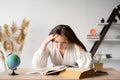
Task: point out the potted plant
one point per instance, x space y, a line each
98 65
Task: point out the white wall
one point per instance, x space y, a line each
81 15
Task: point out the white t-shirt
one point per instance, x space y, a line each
71 57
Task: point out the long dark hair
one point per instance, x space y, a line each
65 30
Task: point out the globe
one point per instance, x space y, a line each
13 61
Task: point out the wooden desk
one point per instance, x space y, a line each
113 75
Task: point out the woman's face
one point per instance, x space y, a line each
61 42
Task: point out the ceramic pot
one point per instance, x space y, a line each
98 66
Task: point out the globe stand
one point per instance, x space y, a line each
13 72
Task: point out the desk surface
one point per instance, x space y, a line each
112 75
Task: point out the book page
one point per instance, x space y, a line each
47 71
40 71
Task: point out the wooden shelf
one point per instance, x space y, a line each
111 40
116 40
102 24
111 59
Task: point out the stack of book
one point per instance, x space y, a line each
93 36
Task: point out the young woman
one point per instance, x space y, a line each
64 48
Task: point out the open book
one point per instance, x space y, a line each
68 71
48 71
77 73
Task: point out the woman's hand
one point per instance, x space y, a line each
50 38
47 40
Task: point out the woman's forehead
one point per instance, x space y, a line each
61 38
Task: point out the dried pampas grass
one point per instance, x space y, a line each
13 27
21 36
8 45
6 33
24 24
13 36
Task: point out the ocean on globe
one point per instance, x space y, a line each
12 61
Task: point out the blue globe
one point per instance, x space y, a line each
12 61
